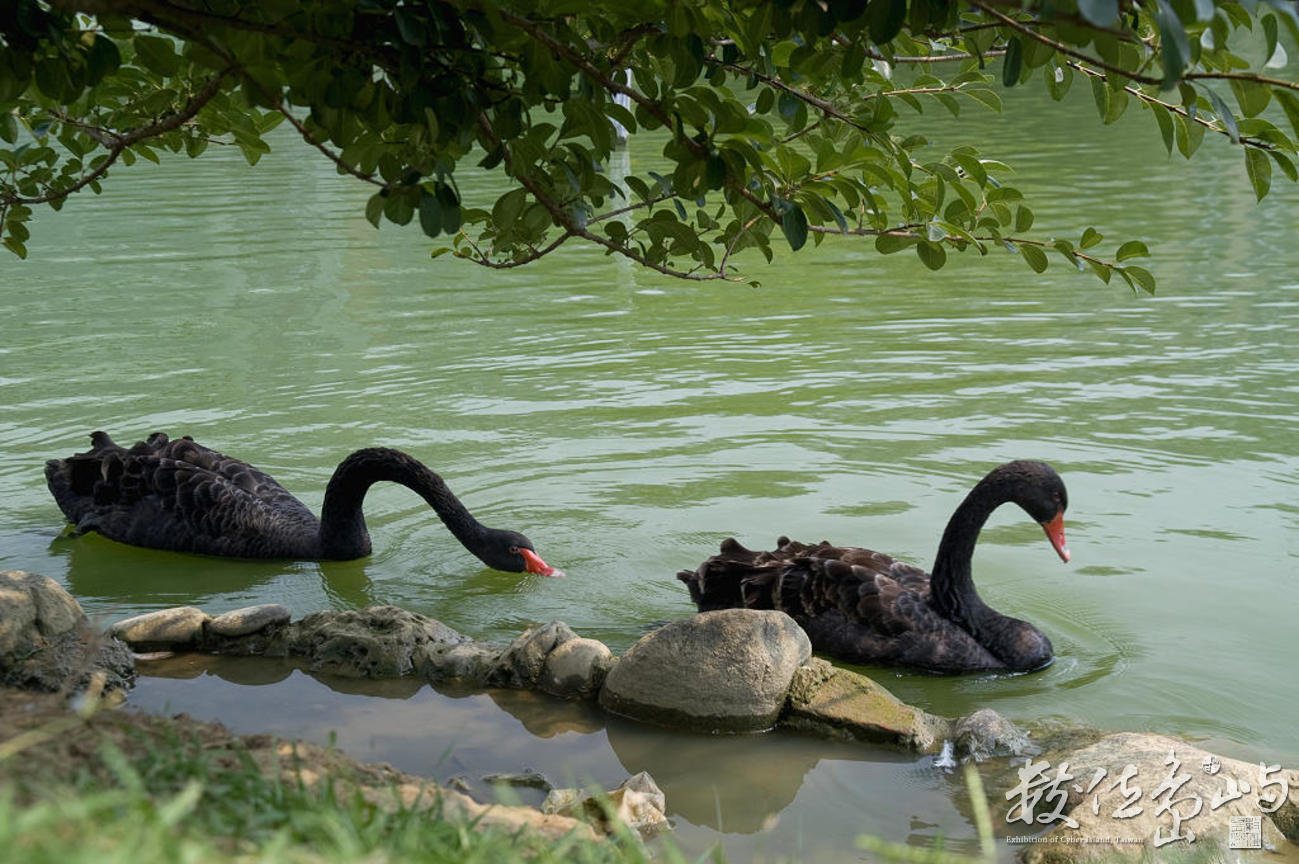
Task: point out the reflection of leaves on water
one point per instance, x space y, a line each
1208 533
876 508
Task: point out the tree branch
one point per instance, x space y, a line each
120 143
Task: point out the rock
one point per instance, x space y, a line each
522 662
985 733
376 642
33 611
469 662
827 700
727 670
637 803
1113 815
48 644
525 779
250 619
576 668
166 628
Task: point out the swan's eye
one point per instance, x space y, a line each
514 550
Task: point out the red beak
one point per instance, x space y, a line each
535 564
1055 533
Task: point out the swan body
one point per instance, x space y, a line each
867 607
182 496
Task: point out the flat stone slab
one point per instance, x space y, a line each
827 700
250 619
727 670
180 625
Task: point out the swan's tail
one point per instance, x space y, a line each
740 578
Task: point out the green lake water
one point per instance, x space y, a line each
627 423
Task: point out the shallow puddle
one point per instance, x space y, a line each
762 797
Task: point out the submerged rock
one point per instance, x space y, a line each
576 669
1130 792
48 644
471 663
376 642
834 702
727 670
984 734
250 619
177 627
526 779
637 803
524 659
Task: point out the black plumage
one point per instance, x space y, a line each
866 607
182 496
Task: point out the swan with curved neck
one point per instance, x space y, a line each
865 607
182 496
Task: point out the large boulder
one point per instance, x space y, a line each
46 642
1130 792
837 703
727 671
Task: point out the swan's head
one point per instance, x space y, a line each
512 552
1039 490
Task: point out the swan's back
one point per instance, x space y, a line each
181 496
855 604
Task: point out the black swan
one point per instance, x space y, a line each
865 607
180 495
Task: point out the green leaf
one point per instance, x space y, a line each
1290 103
885 19
1259 169
1058 80
794 225
1287 165
1101 96
1251 96
1023 219
156 54
1141 276
1225 116
985 97
1104 271
1132 249
887 244
1101 13
1090 237
1164 118
8 128
102 59
374 208
430 214
508 207
931 254
1175 47
1034 255
1013 62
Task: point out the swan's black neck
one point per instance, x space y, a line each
343 534
951 583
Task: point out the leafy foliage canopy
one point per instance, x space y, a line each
779 122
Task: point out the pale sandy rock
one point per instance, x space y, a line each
250 619
180 625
